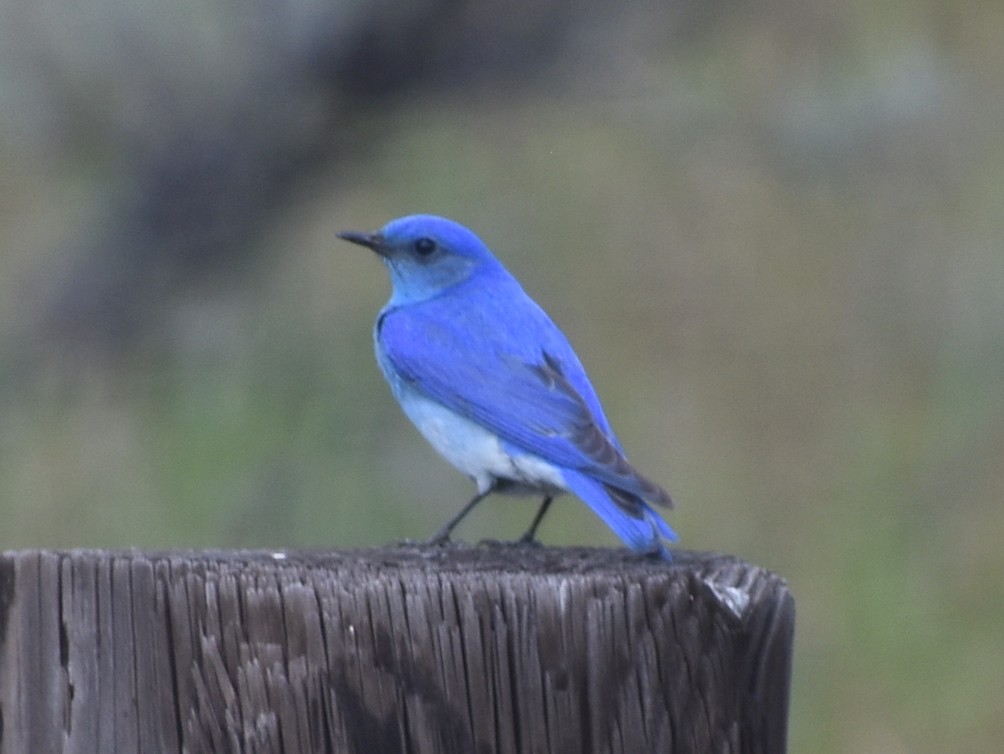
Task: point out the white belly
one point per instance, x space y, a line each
476 451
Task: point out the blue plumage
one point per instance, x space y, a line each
494 385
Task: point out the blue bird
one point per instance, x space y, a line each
493 384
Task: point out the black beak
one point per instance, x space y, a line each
369 240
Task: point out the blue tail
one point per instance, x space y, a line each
644 532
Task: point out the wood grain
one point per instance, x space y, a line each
402 649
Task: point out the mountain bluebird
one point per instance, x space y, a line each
493 384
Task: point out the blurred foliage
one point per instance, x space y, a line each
773 230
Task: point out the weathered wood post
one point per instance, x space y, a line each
405 649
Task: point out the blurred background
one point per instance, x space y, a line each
774 231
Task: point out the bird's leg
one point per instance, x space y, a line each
528 537
443 535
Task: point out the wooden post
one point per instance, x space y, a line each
404 649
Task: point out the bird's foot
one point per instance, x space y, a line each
438 540
528 540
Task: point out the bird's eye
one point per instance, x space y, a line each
424 246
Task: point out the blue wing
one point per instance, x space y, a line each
520 379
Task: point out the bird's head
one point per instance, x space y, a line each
425 255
